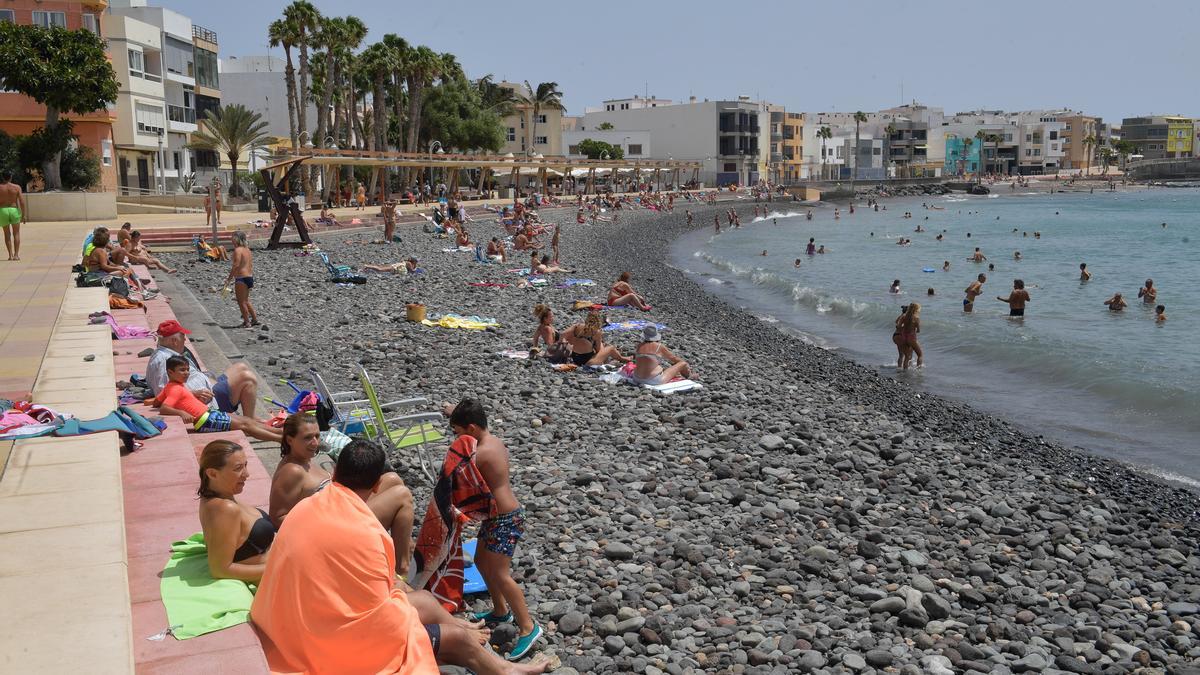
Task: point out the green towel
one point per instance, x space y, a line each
196 602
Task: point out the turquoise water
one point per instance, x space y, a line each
1114 382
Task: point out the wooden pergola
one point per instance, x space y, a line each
489 166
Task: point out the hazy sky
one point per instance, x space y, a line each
809 56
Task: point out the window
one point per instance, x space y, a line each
876 151
90 23
541 119
1028 152
175 158
1054 135
49 19
106 152
149 119
729 166
136 65
1037 152
572 149
1068 128
1028 138
540 140
635 149
206 68
178 57
512 134
8 15
1054 146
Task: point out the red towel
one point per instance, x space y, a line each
461 495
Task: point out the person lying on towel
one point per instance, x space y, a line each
329 601
176 399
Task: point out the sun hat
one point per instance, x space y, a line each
650 334
171 327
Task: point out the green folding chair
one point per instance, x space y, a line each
406 430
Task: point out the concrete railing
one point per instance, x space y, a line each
55 206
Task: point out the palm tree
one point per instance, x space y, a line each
303 17
282 32
338 36
980 136
1088 142
1106 155
995 139
967 143
399 49
824 133
545 97
231 130
422 66
497 99
859 118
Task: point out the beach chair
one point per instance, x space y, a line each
350 412
406 430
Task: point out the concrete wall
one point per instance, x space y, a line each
87 206
264 93
685 131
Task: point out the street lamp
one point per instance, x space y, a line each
431 153
307 144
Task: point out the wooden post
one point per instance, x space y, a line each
284 209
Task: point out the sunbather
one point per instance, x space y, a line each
406 267
462 239
622 294
545 332
654 363
587 343
237 535
175 399
140 255
236 388
329 600
327 217
495 250
211 252
300 475
544 266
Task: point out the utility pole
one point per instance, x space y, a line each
212 212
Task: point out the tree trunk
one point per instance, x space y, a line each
856 149
302 112
51 177
533 122
235 187
416 91
379 124
323 122
290 76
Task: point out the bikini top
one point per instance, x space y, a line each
262 533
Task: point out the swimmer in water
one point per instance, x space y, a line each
991 267
821 251
1016 298
946 266
978 256
974 290
939 237
1148 293
764 253
1084 274
1016 255
797 263
1160 314
968 235
1164 226
1116 303
895 289
929 292
811 249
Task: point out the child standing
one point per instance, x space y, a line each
498 536
241 273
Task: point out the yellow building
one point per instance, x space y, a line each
1076 153
1179 136
520 135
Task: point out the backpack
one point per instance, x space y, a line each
117 286
85 280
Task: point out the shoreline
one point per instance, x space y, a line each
800 511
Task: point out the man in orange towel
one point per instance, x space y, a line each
329 600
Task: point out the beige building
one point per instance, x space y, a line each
520 136
1076 153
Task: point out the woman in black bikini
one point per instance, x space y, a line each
237 535
587 343
302 473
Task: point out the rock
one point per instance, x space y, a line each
868 549
1025 616
854 661
613 644
1031 662
1072 664
914 618
809 661
936 606
616 550
771 442
937 665
1183 608
572 622
889 605
879 658
914 558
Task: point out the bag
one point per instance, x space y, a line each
325 415
117 286
88 281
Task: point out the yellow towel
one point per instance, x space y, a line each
455 321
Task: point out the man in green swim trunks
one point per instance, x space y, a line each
12 214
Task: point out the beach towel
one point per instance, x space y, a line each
121 302
488 284
15 424
515 353
472 578
196 603
460 496
632 324
567 283
465 322
127 332
523 271
122 420
458 249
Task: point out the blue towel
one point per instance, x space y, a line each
472 579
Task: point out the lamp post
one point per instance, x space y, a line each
431 152
162 181
331 143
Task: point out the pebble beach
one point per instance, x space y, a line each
800 513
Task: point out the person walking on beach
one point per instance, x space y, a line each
908 324
974 290
1016 298
12 214
241 274
717 223
688 213
1148 293
389 220
1084 274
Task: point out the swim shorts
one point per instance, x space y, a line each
1016 312
500 534
214 420
435 636
248 282
9 215
221 394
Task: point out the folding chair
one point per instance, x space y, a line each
410 430
350 413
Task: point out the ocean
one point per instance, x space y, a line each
1114 383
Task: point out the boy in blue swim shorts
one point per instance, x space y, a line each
176 399
498 536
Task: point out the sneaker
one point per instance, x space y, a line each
524 644
491 619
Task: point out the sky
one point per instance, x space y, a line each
808 56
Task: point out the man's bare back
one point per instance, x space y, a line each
492 460
10 195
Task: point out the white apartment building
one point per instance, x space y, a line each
259 84
141 120
635 103
634 144
907 139
729 138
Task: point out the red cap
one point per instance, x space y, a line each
172 327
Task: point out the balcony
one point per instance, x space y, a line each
202 33
182 120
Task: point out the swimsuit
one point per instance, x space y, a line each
221 394
582 359
9 215
248 282
500 534
657 377
322 485
1016 312
213 421
262 533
